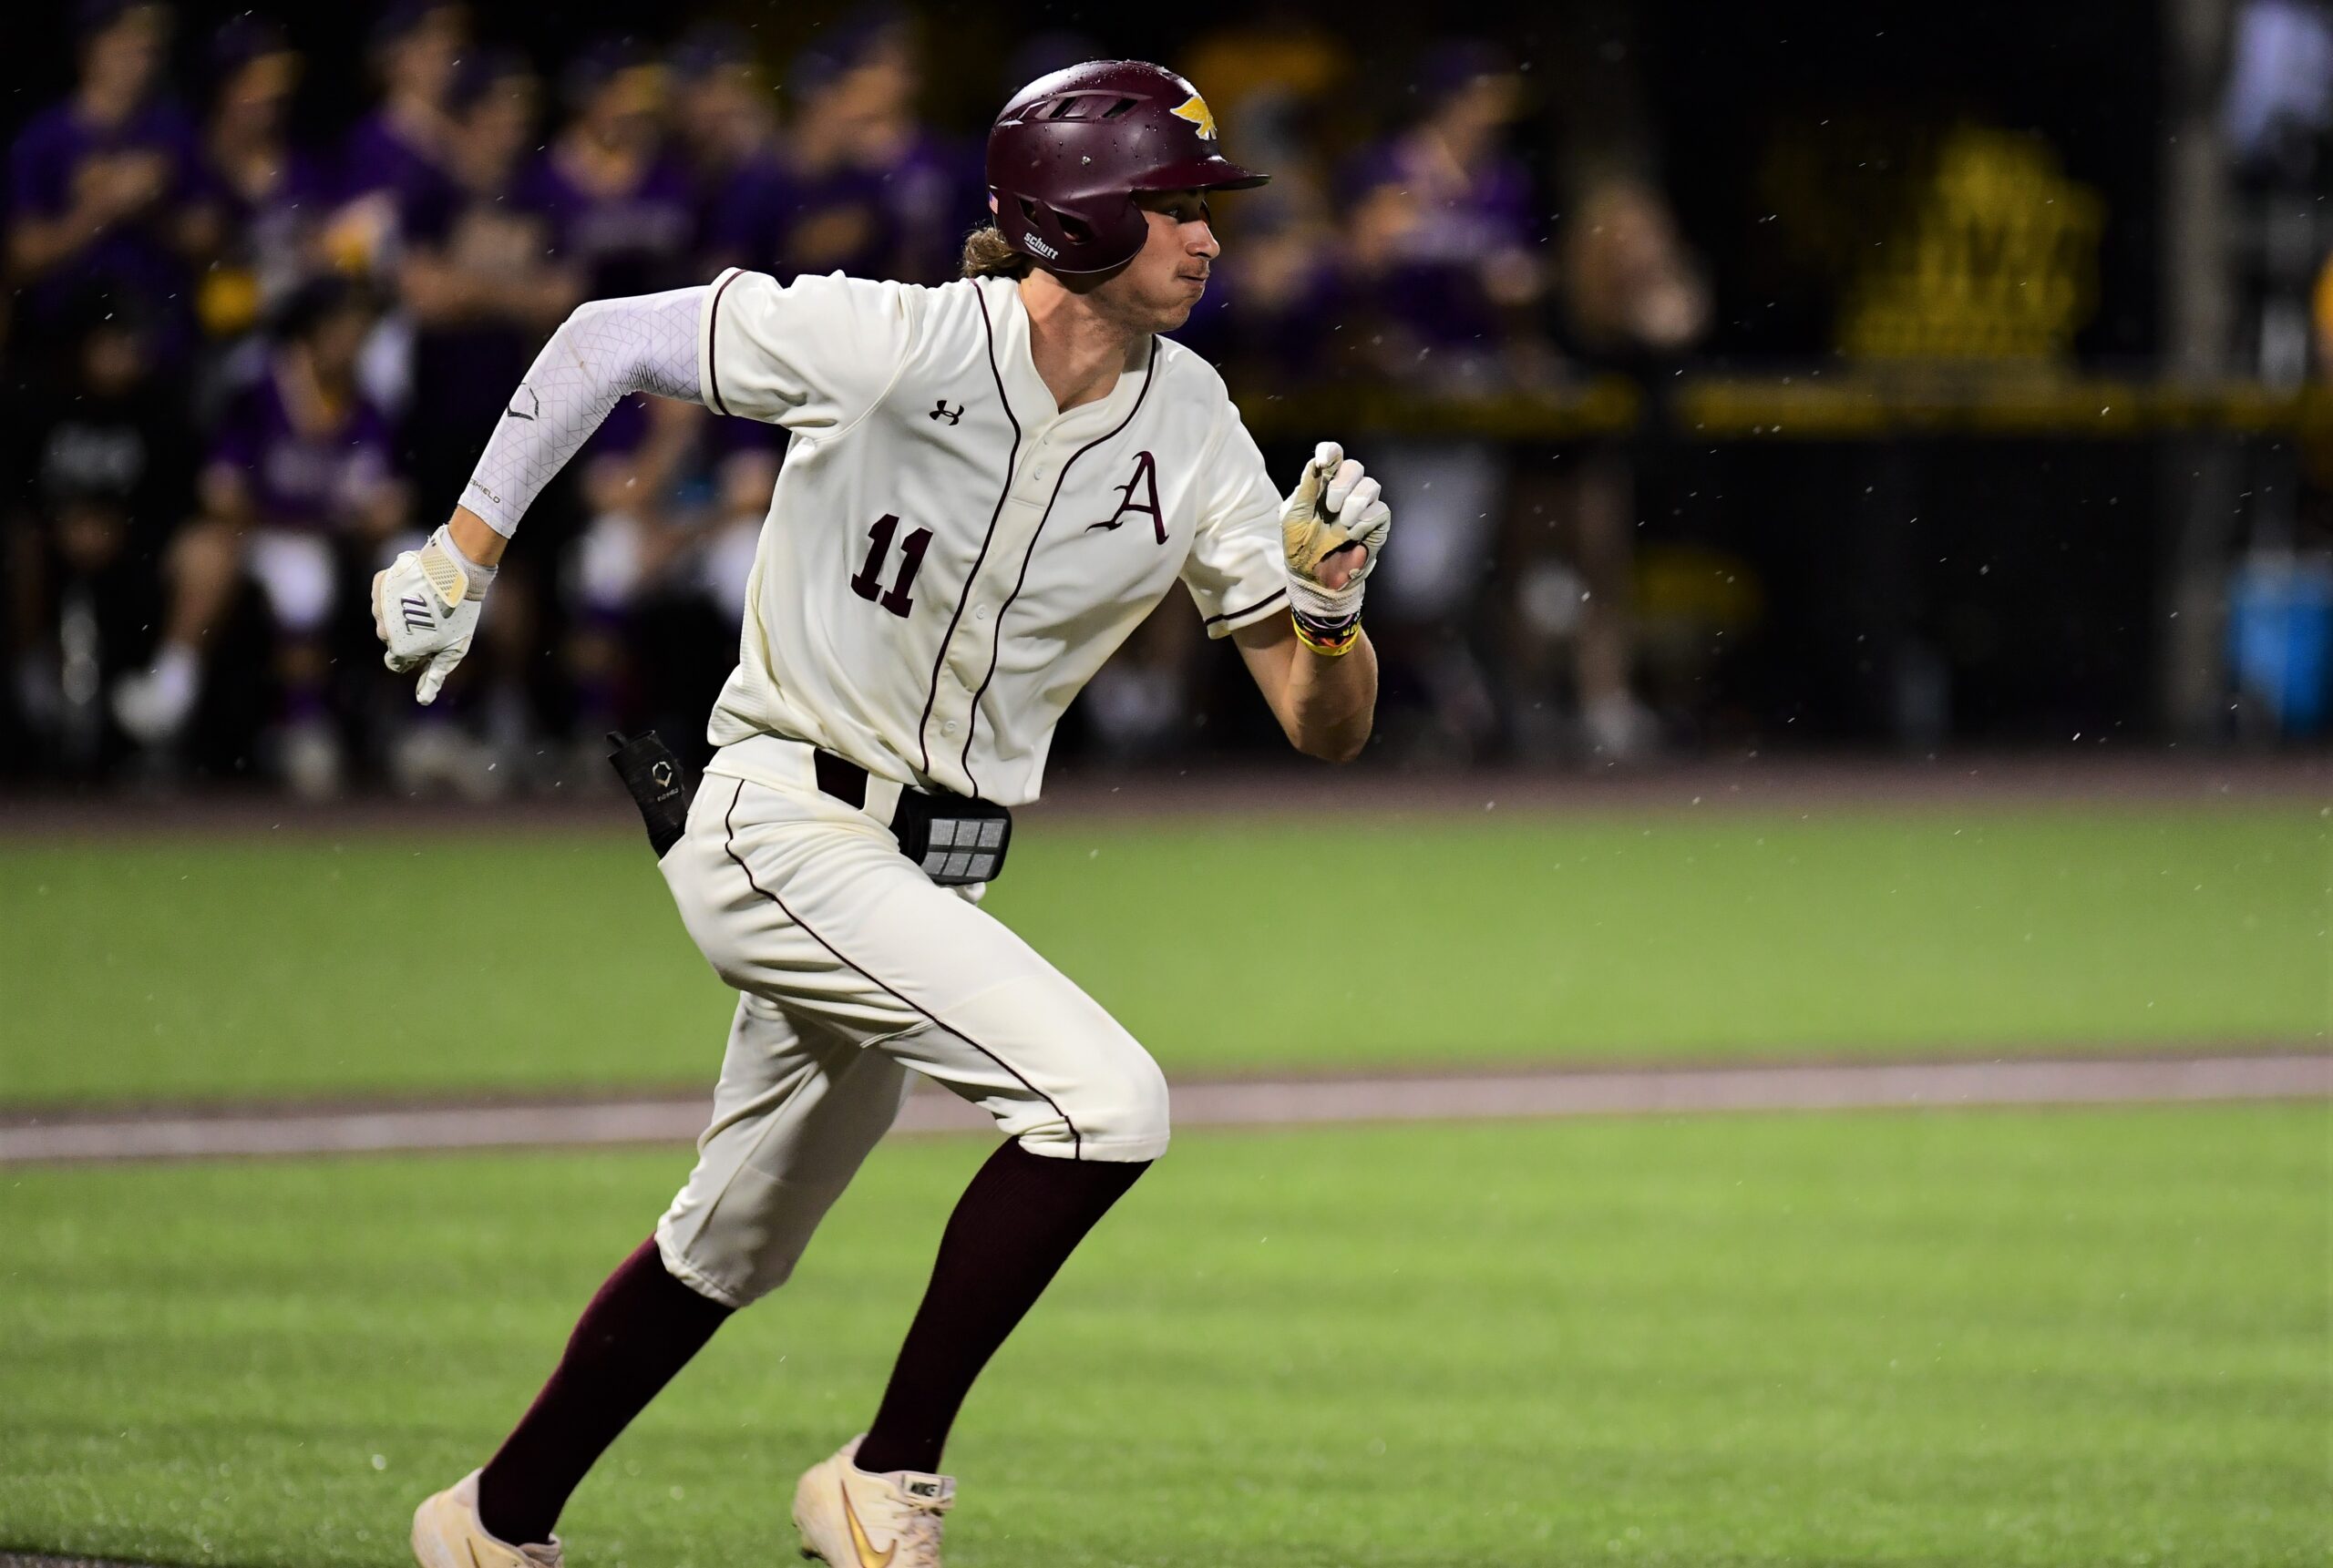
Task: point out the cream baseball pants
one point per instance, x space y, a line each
853 969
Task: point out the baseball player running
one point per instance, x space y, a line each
989 485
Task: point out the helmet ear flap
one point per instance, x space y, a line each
1040 215
1072 234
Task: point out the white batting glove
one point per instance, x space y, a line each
424 609
1335 504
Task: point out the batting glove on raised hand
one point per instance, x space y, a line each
424 609
1334 505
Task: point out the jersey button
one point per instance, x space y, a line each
981 613
948 727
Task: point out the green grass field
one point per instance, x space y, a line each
1966 1338
224 968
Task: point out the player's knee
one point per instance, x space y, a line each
733 1290
741 1240
1123 1112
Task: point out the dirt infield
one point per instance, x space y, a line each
114 1136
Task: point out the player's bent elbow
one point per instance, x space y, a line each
583 325
573 326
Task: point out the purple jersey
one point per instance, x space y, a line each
933 190
306 479
463 371
1434 285
270 233
379 157
56 149
788 223
636 242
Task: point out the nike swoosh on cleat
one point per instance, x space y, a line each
867 1557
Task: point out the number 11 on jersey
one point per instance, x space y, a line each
869 584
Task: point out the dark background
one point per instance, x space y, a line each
1912 588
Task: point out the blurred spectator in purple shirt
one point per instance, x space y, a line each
1438 282
102 186
478 279
813 206
299 492
619 205
1444 227
725 116
933 186
400 152
481 291
275 197
300 450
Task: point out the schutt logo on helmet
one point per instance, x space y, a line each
1067 155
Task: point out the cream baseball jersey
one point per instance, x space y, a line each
949 557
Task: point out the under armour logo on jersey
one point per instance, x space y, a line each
952 415
1145 477
417 613
527 395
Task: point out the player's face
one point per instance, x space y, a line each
1157 289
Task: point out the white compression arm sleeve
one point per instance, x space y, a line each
606 350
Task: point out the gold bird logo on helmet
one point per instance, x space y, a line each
1193 109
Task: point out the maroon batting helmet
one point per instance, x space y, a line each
1068 153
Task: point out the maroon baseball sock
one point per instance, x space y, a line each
1013 1228
641 1328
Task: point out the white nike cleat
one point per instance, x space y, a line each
447 1534
849 1519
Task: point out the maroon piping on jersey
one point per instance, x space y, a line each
996 640
728 823
713 340
922 738
1250 610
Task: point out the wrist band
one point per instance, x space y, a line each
1328 639
478 578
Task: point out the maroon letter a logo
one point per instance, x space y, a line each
1146 478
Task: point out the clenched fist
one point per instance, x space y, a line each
1334 507
424 611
